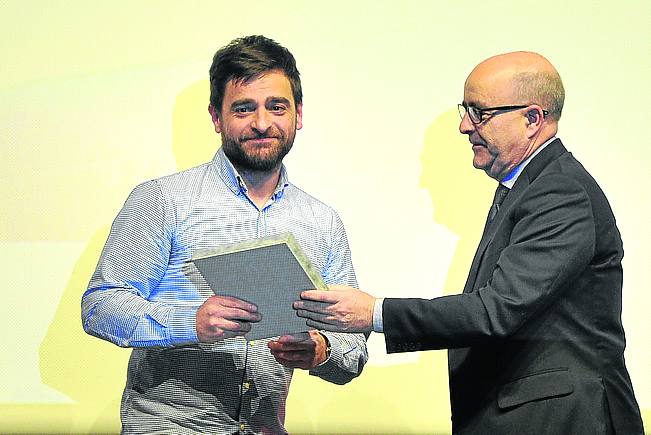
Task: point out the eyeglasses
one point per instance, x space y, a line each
476 114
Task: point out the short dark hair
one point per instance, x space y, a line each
246 58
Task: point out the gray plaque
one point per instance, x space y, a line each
270 272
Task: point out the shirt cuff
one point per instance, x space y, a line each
336 355
328 349
183 325
378 323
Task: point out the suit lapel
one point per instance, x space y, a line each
530 173
489 232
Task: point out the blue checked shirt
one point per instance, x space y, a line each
145 294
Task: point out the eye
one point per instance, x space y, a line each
242 109
476 113
279 108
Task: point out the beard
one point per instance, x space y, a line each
258 160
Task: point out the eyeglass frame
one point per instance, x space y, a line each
463 110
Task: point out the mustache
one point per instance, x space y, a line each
265 135
476 140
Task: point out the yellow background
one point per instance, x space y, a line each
97 96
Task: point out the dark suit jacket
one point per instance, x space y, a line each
536 340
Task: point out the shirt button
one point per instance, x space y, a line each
242 426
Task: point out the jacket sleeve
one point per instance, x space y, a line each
551 242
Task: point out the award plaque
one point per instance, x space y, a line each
270 272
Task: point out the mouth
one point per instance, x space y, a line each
478 148
261 141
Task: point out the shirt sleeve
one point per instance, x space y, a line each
117 306
348 353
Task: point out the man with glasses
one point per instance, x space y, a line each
536 340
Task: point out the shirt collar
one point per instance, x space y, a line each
512 176
234 180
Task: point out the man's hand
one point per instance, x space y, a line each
222 317
342 309
304 350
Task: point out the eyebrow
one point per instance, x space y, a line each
273 100
242 102
251 101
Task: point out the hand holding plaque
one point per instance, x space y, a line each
269 273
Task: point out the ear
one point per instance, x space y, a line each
299 116
535 120
215 118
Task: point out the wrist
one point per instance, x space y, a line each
327 350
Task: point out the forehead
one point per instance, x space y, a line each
271 84
488 88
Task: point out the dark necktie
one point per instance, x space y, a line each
500 194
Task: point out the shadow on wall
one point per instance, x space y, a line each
461 195
90 371
194 140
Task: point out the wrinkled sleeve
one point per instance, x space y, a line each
348 351
116 306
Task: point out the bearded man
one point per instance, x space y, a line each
191 370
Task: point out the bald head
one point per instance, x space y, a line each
512 105
528 78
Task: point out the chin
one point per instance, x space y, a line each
478 164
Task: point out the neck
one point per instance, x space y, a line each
548 131
509 179
543 135
260 184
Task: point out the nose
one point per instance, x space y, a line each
466 126
261 121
